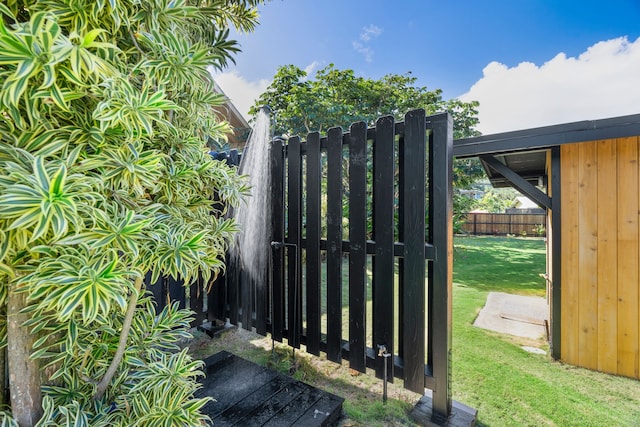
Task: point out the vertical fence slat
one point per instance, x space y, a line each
233 289
228 306
247 291
260 284
156 290
294 230
277 227
383 261
217 299
441 270
176 291
196 301
313 243
400 238
261 303
334 245
414 262
357 237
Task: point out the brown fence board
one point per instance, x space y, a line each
481 223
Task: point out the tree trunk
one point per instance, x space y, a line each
24 373
4 395
3 377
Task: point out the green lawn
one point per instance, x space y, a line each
504 264
507 385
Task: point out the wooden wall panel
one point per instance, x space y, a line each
588 255
570 259
607 257
628 256
601 255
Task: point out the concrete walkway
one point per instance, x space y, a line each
523 316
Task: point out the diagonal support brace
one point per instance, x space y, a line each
518 182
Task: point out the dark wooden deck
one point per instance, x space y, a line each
247 394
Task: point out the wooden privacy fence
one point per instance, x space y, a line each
478 223
396 228
351 282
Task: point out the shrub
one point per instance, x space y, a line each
104 175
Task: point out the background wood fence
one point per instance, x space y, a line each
505 223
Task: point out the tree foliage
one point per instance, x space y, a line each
339 97
106 106
497 199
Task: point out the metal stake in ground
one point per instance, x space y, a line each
382 352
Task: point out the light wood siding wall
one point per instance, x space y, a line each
600 214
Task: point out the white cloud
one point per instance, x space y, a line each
311 68
365 51
603 81
370 32
366 35
242 92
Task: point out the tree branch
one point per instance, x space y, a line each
135 43
122 344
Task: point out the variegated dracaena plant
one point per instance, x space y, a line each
105 107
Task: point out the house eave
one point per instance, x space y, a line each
548 136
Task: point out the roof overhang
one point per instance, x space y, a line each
530 165
524 151
548 136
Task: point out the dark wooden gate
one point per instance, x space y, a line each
361 251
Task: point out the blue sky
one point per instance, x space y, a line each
576 59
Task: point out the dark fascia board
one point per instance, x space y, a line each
548 136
